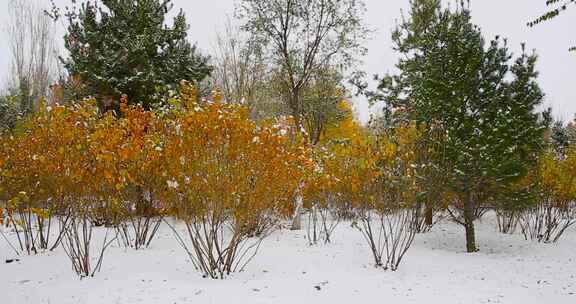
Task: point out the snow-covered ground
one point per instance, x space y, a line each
508 269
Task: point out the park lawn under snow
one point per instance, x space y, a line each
436 269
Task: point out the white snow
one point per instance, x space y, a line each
508 269
172 184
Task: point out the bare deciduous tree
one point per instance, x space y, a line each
301 37
242 74
320 101
34 51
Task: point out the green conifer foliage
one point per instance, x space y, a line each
482 103
126 47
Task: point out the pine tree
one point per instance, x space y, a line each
559 137
9 112
125 47
483 105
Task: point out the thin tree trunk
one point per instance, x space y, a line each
297 219
469 222
295 108
429 215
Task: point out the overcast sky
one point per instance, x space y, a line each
496 17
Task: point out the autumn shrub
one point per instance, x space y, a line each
128 150
205 163
382 184
78 242
226 177
324 185
43 165
320 197
230 181
50 183
325 188
555 210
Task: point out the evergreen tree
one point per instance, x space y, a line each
125 47
571 132
482 104
17 104
9 112
559 138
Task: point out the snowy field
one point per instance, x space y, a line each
508 269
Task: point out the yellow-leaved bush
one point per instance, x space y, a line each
332 179
225 180
45 170
371 179
128 152
382 187
554 210
228 178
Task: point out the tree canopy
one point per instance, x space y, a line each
304 39
483 105
126 47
